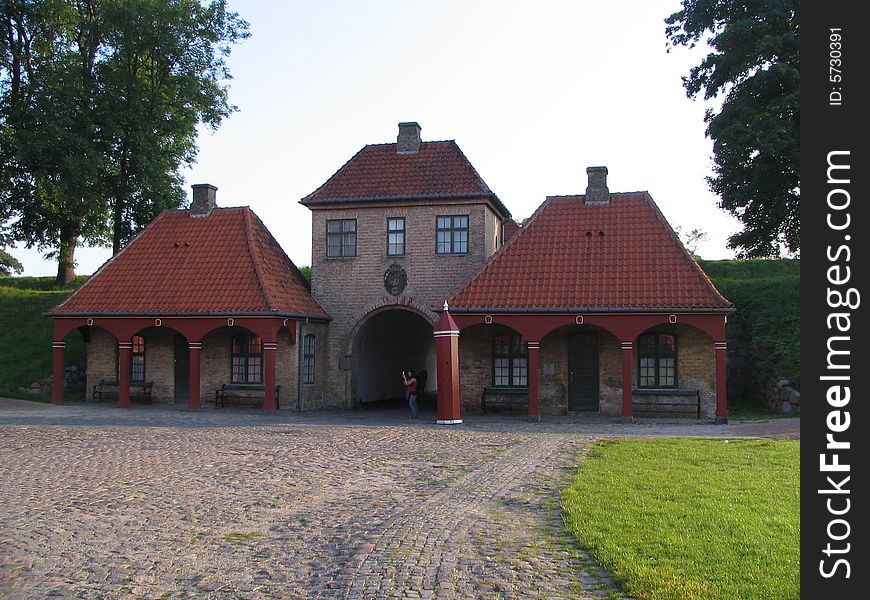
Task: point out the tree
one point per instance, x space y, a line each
692 240
754 65
99 105
8 263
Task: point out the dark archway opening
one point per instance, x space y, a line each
388 343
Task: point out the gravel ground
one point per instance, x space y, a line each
154 502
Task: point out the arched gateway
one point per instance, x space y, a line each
385 343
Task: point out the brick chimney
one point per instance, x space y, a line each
596 191
408 141
204 195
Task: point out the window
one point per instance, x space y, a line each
308 359
657 360
395 236
451 234
340 238
247 362
510 362
137 372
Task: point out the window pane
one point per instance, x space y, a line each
460 222
349 225
443 222
501 371
333 226
520 372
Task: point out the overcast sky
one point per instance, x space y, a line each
533 93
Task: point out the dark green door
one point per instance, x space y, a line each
582 372
182 370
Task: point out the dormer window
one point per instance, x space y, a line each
340 238
451 234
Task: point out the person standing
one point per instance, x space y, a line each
410 391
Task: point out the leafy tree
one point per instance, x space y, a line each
8 263
754 65
99 104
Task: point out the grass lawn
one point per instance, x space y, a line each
692 519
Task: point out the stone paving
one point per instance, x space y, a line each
152 502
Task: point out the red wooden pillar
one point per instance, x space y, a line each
447 358
57 372
627 362
125 359
721 382
534 399
194 399
270 349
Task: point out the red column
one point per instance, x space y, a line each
269 351
627 361
194 399
57 372
125 353
534 399
721 383
447 359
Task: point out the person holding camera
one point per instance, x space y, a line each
410 382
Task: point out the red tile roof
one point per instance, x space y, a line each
226 262
377 172
576 256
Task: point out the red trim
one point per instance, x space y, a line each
534 399
124 365
194 398
721 384
57 373
627 362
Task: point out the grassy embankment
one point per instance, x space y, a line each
767 296
26 335
682 519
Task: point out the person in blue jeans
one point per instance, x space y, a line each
410 391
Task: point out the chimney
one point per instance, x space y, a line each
408 141
204 195
596 191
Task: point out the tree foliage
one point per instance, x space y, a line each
753 64
99 105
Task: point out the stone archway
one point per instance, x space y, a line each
387 343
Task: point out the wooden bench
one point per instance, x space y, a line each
242 393
107 389
512 397
695 401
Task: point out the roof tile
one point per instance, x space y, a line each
573 255
226 262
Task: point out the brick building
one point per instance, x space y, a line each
592 305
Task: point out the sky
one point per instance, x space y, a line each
532 92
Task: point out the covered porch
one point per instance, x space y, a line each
560 355
185 340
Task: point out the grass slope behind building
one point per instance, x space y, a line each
766 294
26 334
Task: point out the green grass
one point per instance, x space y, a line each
692 519
26 334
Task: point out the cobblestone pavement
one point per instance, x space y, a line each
152 502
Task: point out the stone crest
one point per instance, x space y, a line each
395 279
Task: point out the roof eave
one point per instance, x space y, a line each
278 314
585 309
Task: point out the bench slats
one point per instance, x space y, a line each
109 389
241 391
487 398
669 392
